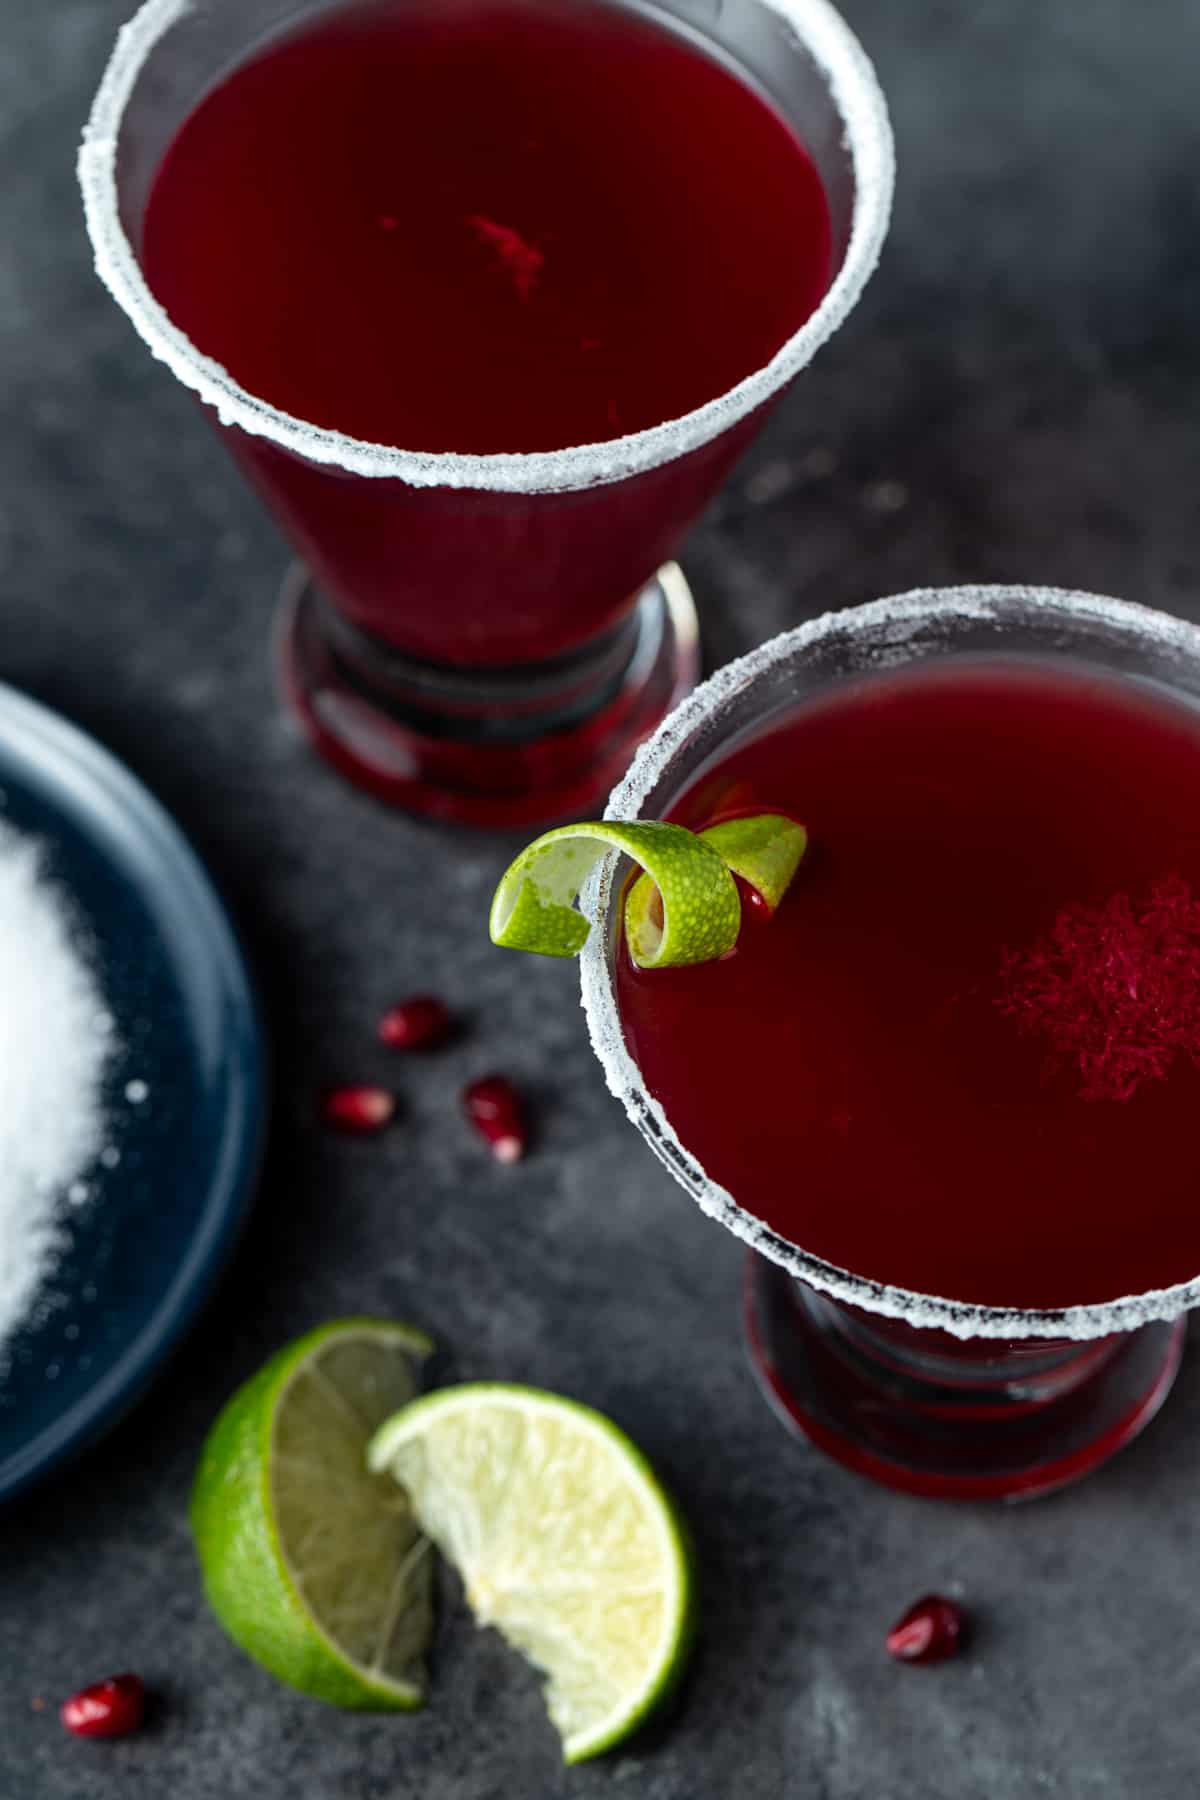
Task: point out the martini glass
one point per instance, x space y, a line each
486 637
928 1392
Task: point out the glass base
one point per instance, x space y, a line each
930 1414
492 747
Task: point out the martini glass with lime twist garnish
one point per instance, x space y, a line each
947 1089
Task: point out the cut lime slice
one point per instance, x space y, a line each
565 1542
313 1565
684 908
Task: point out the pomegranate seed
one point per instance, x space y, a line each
359 1109
107 1709
755 905
416 1024
494 1108
932 1629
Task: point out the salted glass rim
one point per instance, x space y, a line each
858 100
903 617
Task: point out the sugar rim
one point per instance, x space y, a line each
902 617
856 96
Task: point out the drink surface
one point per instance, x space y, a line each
486 225
961 1057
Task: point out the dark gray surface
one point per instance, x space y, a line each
1016 399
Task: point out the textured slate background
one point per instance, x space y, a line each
1016 399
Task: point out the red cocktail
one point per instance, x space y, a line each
953 1083
564 254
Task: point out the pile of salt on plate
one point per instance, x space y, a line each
55 1042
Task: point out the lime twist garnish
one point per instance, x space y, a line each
683 908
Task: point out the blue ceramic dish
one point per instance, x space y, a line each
165 1205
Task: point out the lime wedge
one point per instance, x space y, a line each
684 908
564 1540
314 1566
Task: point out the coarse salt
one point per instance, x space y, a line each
54 1049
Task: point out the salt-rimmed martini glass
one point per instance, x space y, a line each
484 636
947 1094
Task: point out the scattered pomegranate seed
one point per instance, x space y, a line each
107 1709
416 1024
359 1109
932 1629
494 1108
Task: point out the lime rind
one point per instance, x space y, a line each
764 849
294 1620
593 1583
533 907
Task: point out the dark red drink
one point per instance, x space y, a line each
486 296
962 1058
485 226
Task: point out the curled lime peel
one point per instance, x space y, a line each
763 848
684 908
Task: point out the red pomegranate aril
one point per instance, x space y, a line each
419 1023
932 1629
494 1108
107 1709
359 1110
754 905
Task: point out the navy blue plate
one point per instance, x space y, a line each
165 1205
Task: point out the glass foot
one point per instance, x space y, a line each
491 747
957 1420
